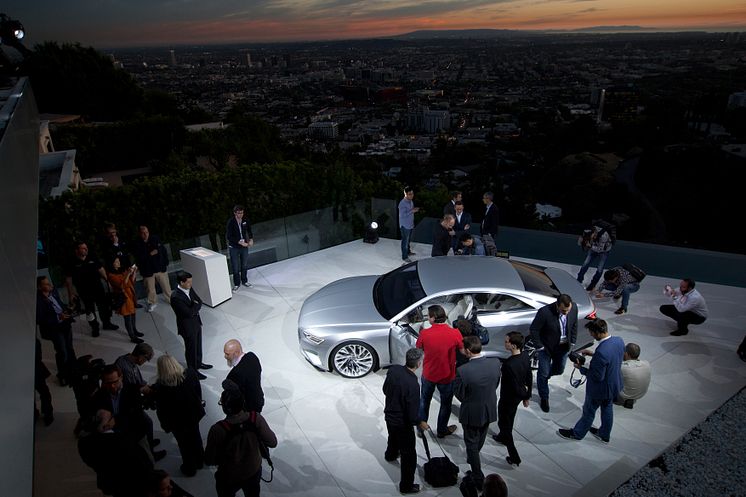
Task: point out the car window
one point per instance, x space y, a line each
497 302
397 290
535 279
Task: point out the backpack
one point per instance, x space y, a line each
250 426
634 271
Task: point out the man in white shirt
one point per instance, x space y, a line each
688 306
635 376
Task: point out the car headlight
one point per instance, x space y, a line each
312 338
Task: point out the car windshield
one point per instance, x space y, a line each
397 290
535 279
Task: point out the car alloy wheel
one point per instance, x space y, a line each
353 360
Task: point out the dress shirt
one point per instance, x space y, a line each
690 301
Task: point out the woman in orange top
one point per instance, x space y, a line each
123 281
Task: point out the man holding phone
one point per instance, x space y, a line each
687 307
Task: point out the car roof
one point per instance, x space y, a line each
441 274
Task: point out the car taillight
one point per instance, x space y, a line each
592 316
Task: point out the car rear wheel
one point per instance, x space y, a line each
354 360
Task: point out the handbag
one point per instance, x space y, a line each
439 471
116 299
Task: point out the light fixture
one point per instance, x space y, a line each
371 233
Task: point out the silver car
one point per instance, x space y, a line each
357 325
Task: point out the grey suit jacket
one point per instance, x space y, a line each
476 387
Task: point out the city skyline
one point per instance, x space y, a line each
116 23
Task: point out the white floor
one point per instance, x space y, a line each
331 430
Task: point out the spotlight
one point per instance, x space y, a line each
11 34
371 233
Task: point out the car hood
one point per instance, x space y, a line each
348 301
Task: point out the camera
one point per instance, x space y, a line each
575 356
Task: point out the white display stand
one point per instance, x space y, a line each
210 278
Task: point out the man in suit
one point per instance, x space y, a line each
442 235
246 373
462 222
54 325
476 387
515 387
554 331
401 413
603 386
450 207
186 305
239 237
491 221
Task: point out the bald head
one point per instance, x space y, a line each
232 351
494 486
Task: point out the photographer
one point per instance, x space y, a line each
598 242
604 376
618 283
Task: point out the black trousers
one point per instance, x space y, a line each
250 485
683 319
193 348
64 354
190 446
506 410
96 300
474 437
402 443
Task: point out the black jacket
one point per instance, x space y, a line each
441 241
402 391
149 264
516 378
545 328
187 311
247 374
491 222
180 406
233 235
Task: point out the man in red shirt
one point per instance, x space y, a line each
439 342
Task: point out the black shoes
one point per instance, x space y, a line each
110 326
679 333
621 310
201 376
138 334
205 366
545 405
158 455
389 458
497 438
451 430
513 462
136 340
628 404
567 433
594 432
414 489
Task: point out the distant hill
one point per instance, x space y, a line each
461 34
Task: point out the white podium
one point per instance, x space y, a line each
210 278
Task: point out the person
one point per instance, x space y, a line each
466 329
245 373
515 387
239 237
406 222
152 263
439 342
599 244
186 305
494 486
55 325
114 247
125 403
491 220
41 373
461 222
122 281
469 245
83 277
120 463
603 386
160 484
687 307
178 400
442 235
619 283
476 387
233 445
401 413
635 377
129 365
553 331
450 207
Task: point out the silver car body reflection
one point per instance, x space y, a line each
356 325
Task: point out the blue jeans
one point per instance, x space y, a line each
239 264
629 288
589 413
406 233
589 260
446 399
549 365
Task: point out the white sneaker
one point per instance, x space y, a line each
151 307
235 289
247 284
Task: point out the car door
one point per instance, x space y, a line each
501 313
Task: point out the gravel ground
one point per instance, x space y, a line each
707 461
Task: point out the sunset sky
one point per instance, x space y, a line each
113 23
